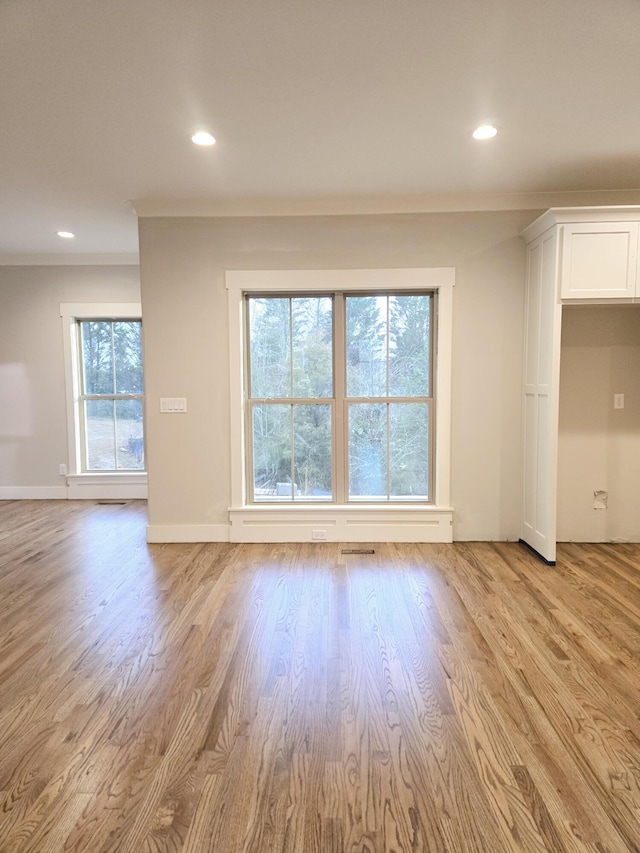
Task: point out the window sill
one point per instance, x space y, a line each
341 523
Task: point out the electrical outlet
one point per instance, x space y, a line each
319 535
618 401
62 469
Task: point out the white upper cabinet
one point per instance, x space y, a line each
599 260
597 252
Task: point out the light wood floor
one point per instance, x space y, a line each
264 698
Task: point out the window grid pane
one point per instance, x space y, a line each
366 343
367 443
292 437
270 347
97 358
127 346
408 425
409 346
100 436
272 452
312 347
312 452
129 435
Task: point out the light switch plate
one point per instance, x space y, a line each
173 405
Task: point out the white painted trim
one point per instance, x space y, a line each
575 215
157 533
117 486
242 281
388 204
541 396
441 279
78 489
32 493
444 328
101 310
50 260
341 523
71 382
236 396
88 491
111 478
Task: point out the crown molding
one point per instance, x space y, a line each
371 205
69 260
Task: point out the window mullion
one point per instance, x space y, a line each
340 460
249 485
113 404
290 347
293 452
84 444
433 323
82 406
388 407
387 346
113 359
388 459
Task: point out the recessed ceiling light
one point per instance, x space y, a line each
203 138
485 131
66 235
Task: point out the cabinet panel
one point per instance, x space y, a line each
599 260
542 341
532 330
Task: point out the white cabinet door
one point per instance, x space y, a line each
599 260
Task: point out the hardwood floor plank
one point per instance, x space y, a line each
294 699
197 835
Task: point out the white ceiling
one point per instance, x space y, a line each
317 105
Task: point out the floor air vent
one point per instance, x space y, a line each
358 551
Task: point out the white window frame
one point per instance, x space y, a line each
92 484
341 522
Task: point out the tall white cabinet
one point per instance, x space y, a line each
574 255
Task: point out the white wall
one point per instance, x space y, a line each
184 306
599 447
33 425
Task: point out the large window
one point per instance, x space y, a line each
110 395
339 397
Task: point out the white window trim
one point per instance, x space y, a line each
338 522
92 484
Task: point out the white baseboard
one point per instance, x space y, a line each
341 524
78 488
111 486
632 539
157 533
32 493
433 529
95 491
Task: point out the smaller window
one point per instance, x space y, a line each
111 395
